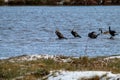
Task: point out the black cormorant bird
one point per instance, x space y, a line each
112 33
75 34
93 35
59 35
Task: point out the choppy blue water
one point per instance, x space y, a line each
31 30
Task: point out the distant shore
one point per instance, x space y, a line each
52 5
59 2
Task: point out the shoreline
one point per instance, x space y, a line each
51 56
51 67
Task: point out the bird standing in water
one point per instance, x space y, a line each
93 35
59 34
75 34
112 33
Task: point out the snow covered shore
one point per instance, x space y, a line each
36 57
112 57
55 57
84 75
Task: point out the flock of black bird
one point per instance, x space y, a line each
91 35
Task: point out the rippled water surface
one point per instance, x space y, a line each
31 30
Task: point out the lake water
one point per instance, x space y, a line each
31 30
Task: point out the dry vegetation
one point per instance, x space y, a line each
41 67
60 2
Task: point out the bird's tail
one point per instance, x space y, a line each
116 34
65 38
79 36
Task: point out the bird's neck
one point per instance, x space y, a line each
98 34
109 29
101 31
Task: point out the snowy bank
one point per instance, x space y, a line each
36 57
58 58
54 57
81 75
113 57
